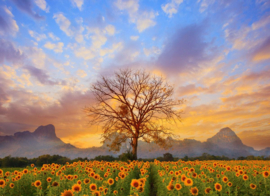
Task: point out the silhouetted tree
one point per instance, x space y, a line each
168 157
132 105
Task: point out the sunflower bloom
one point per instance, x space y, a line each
188 182
93 187
245 177
2 183
11 185
265 174
170 187
225 179
37 183
178 186
207 190
86 181
76 188
252 186
135 183
97 193
67 193
218 187
49 179
194 191
110 181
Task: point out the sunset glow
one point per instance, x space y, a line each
216 54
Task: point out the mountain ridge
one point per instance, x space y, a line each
45 141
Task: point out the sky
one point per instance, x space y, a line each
215 53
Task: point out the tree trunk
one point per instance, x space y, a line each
134 148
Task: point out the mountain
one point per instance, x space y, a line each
44 141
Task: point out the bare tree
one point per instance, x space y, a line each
132 105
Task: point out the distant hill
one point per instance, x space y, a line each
44 141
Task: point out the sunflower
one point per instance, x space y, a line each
245 177
170 187
67 193
2 183
49 179
96 193
25 171
32 165
122 176
218 187
37 183
188 182
140 189
225 179
178 186
265 174
183 177
207 190
76 188
253 186
93 187
194 191
110 181
135 183
86 181
6 174
105 191
115 192
11 185
55 183
229 184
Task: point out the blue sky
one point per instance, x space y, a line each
216 53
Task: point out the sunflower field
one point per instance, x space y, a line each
140 178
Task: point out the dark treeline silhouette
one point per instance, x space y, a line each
49 159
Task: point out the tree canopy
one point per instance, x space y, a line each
133 104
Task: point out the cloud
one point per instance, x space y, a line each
145 20
98 40
37 36
115 47
132 6
134 38
42 5
142 19
26 6
185 50
78 3
205 4
8 52
53 37
81 73
58 47
42 76
151 51
110 29
7 24
258 139
9 128
172 7
84 53
263 52
63 23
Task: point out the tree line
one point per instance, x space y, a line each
49 159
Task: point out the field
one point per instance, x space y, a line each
139 178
